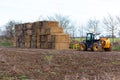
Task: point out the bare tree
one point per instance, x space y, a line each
73 31
119 33
9 32
118 19
110 25
64 21
81 31
92 25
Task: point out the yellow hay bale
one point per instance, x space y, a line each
38 45
34 29
38 41
38 24
28 25
28 32
23 45
14 44
14 41
33 44
27 44
18 27
28 38
49 23
38 31
58 38
60 46
42 31
44 45
50 45
34 38
53 30
38 38
43 38
16 33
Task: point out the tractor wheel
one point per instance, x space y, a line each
82 47
108 49
96 47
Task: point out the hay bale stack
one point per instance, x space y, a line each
58 41
41 34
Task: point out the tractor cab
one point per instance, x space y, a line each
91 38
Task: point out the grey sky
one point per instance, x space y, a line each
77 10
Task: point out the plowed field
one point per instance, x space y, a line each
44 64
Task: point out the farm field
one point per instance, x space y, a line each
44 64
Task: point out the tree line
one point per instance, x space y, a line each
109 24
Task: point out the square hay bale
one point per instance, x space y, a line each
28 32
51 45
24 27
42 31
43 38
53 30
60 38
34 41
38 31
20 39
34 32
28 26
34 38
27 44
34 29
14 44
14 40
44 45
60 46
38 45
28 38
18 27
19 33
33 44
49 24
23 39
37 27
23 45
49 38
38 41
18 44
38 38
16 33
38 24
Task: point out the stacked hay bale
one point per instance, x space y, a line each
41 34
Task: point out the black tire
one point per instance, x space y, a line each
82 47
96 47
108 49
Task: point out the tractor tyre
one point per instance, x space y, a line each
82 47
108 49
97 47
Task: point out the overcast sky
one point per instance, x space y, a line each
78 10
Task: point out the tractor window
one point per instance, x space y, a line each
88 37
97 37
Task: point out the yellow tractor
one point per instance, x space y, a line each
95 43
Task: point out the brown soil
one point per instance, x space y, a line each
44 64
